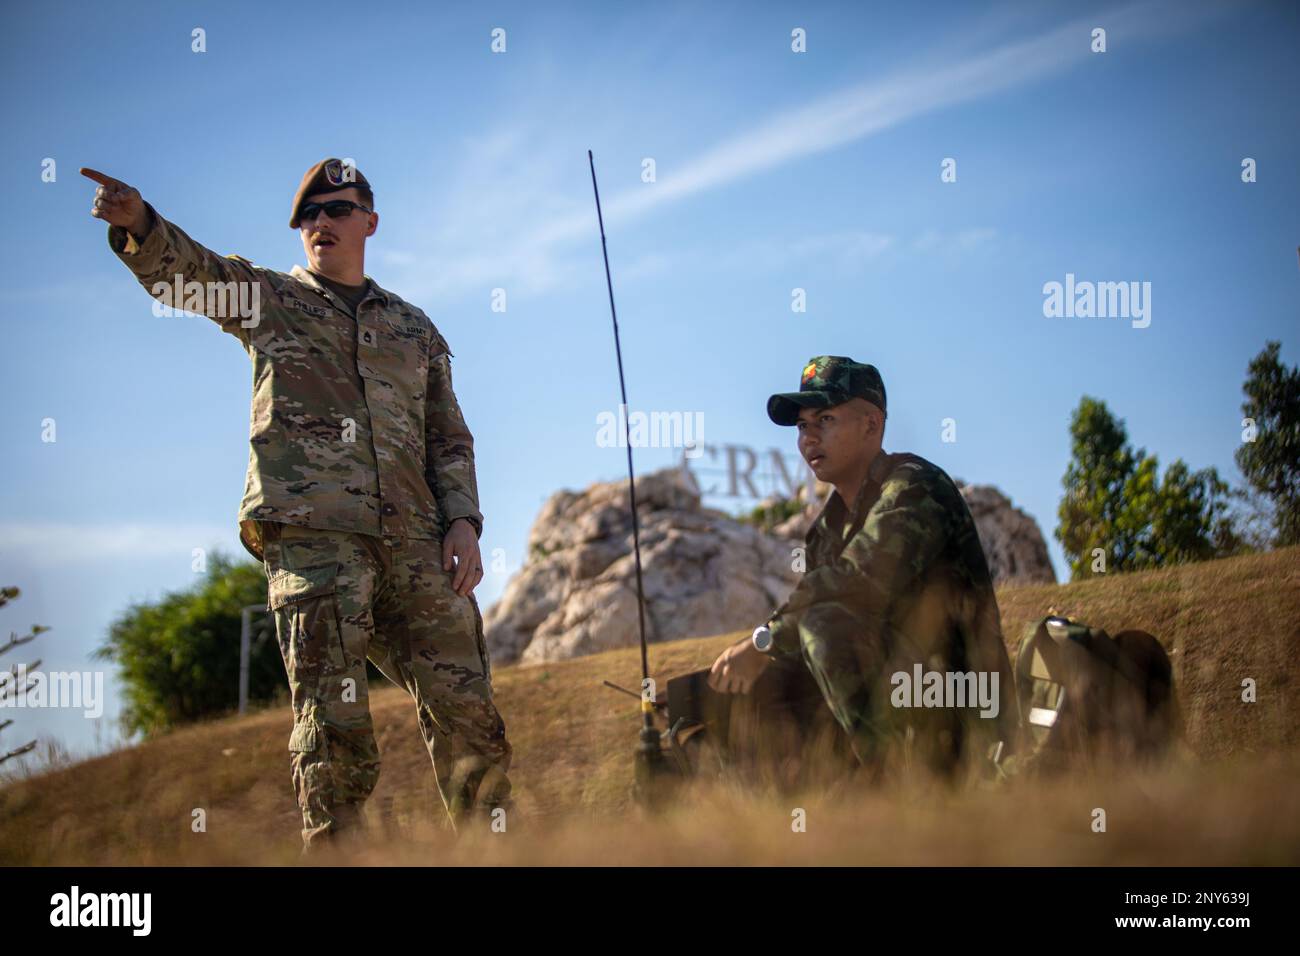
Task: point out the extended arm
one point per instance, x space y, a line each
158 251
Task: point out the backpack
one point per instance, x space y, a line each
1085 695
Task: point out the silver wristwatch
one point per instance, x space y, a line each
762 639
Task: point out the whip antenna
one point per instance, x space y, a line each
649 753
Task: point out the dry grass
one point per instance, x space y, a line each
1229 800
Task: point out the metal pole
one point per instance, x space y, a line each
245 645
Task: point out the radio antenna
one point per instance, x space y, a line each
649 753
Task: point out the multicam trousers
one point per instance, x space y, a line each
341 597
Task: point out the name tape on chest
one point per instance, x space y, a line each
317 310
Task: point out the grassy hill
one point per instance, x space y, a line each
1229 799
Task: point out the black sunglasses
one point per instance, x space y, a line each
335 209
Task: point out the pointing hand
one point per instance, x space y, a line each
118 204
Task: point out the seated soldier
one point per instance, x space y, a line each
896 585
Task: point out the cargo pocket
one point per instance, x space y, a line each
303 602
289 585
306 730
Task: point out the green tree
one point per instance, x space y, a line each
1100 466
178 659
1271 461
1116 501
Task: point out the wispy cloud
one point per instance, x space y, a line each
933 240
835 252
843 251
53 544
521 223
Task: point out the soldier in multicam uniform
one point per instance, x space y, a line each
895 576
361 498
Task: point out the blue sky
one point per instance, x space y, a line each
775 170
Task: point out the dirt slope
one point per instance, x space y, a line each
1231 800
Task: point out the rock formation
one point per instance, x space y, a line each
703 571
1013 543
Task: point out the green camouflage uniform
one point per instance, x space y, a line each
359 460
897 578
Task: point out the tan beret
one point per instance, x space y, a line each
326 176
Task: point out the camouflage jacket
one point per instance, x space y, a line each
354 425
906 560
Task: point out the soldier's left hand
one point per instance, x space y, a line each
461 543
